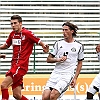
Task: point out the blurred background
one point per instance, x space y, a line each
45 18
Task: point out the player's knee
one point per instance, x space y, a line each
3 86
53 96
89 95
17 96
45 97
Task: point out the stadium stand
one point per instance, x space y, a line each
48 15
45 19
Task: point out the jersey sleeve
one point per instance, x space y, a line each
81 53
54 50
9 40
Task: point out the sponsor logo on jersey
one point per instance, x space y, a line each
16 41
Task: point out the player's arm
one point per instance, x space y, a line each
98 51
35 39
2 56
78 69
44 46
51 59
98 48
4 46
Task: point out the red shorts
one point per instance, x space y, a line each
16 74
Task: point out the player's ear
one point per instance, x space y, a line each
20 23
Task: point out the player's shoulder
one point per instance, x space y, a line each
12 33
25 30
78 42
59 41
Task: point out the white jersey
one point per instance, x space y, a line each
74 52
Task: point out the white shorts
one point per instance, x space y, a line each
59 82
95 85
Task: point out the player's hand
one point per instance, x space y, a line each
3 56
46 48
62 59
73 83
98 48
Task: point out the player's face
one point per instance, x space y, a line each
67 32
16 26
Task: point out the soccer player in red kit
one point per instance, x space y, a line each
22 41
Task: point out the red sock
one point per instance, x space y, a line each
24 98
5 94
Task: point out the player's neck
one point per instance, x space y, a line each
19 30
69 40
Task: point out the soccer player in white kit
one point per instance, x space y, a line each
68 55
95 85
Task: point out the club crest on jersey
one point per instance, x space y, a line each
23 37
73 49
16 41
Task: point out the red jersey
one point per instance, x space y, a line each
22 47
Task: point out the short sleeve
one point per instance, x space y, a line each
81 53
54 50
9 40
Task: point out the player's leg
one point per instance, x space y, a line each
4 87
89 95
50 94
17 85
46 94
58 90
54 94
17 93
99 95
48 87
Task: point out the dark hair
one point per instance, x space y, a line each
16 17
72 27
